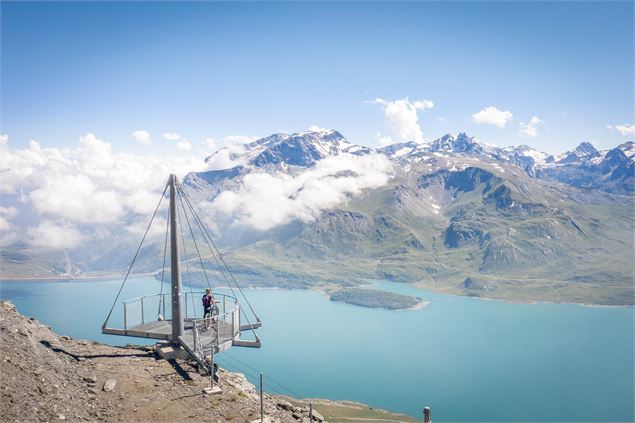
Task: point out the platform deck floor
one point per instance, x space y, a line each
215 336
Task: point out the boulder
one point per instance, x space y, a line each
317 416
109 385
285 405
90 379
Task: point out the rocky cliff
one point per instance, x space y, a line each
46 377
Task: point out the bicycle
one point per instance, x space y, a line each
211 316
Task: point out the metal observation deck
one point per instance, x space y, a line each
178 318
147 317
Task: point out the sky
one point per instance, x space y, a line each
191 76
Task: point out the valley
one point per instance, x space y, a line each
453 215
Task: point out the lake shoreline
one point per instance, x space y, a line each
78 279
296 323
319 287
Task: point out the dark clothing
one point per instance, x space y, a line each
208 300
209 305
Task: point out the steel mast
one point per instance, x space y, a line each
177 317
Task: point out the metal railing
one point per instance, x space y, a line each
141 310
193 307
150 308
149 316
214 333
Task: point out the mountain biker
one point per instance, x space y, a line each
208 302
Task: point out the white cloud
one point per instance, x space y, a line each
315 128
491 115
625 129
184 145
8 239
89 184
181 143
54 235
227 157
94 153
239 139
530 129
4 140
76 197
384 140
172 136
401 117
141 202
156 231
141 136
7 213
266 200
209 145
4 224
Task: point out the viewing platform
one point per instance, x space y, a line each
181 324
148 317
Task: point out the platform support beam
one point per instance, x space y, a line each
262 404
177 317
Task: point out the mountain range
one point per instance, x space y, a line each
458 215
585 167
454 215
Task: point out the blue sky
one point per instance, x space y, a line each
211 69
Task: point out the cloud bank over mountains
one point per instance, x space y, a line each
68 188
265 200
73 195
58 198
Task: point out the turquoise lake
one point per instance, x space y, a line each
468 359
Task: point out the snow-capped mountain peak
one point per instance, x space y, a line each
297 149
628 148
584 151
584 166
463 144
399 149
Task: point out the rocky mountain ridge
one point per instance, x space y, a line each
470 218
607 170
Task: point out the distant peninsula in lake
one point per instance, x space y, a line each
374 298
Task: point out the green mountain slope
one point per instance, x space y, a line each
480 231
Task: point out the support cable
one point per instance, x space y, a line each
135 257
220 268
250 371
187 266
218 252
268 376
198 252
204 231
221 258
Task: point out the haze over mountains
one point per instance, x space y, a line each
454 214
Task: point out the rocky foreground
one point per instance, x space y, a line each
47 377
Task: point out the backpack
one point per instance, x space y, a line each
207 301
